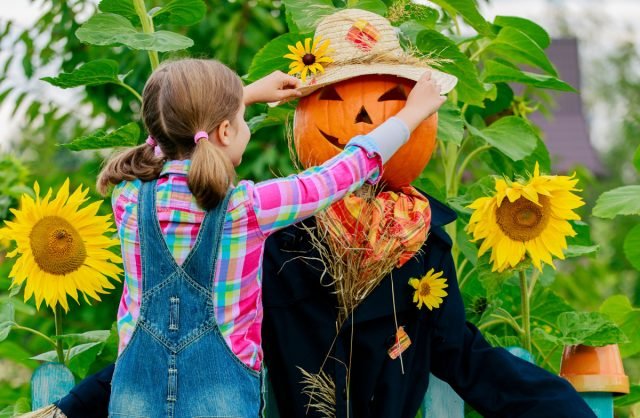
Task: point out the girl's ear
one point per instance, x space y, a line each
223 133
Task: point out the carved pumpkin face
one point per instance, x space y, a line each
327 119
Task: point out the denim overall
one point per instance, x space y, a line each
177 364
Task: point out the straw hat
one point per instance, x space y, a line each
364 43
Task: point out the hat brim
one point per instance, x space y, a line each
446 82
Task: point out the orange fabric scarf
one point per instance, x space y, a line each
389 223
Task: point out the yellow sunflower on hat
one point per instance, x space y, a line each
61 249
308 58
526 218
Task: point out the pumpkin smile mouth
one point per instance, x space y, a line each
332 139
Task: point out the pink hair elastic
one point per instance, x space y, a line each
200 135
151 141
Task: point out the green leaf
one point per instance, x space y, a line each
85 337
620 201
587 328
580 250
271 57
450 125
619 309
500 72
119 7
93 73
181 12
469 12
511 135
125 136
632 247
627 400
636 159
375 6
533 30
111 29
454 62
70 354
7 319
274 116
305 14
515 46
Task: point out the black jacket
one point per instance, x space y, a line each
299 328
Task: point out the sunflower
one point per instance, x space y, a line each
429 289
526 217
308 57
61 248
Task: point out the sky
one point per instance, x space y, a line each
619 14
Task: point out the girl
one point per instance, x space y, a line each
190 315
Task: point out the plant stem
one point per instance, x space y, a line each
132 90
147 27
57 313
467 160
526 320
35 332
534 279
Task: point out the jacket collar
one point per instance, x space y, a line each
177 167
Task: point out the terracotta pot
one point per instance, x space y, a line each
594 369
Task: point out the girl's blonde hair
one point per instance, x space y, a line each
181 98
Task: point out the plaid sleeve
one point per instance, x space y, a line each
281 202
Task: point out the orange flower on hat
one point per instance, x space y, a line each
309 57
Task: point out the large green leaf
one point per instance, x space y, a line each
111 29
468 9
375 6
125 136
85 337
70 354
119 7
533 30
504 165
588 328
271 57
511 135
181 12
454 62
274 116
515 46
305 14
501 72
450 125
93 73
618 308
632 246
620 201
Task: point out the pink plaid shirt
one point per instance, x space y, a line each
255 211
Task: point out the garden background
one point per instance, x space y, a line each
41 123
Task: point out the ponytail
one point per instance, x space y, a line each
136 163
210 175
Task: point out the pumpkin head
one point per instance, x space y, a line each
327 119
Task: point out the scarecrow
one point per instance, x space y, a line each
361 302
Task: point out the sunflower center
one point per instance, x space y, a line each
308 59
56 245
425 289
523 220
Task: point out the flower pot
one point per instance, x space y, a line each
597 373
50 382
594 369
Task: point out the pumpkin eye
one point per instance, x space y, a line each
329 93
396 93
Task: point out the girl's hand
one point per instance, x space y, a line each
423 101
275 87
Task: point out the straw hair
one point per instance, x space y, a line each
180 99
381 55
50 411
